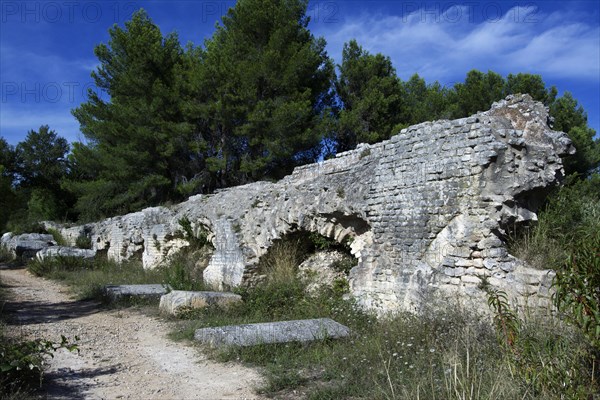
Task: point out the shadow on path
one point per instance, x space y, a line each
25 312
36 312
66 383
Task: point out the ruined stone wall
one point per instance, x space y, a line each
425 212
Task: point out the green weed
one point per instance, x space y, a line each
83 242
58 237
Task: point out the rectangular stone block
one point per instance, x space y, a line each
272 332
123 292
175 301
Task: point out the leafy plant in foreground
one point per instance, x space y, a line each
23 362
577 287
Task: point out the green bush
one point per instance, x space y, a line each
83 242
183 272
58 237
577 286
571 213
196 240
22 362
5 254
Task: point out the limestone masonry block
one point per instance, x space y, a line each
177 300
305 330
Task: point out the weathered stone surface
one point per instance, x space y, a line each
423 209
173 302
124 292
320 269
27 244
62 251
272 332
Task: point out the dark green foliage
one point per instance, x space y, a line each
532 85
570 117
266 80
30 179
577 286
423 102
371 96
477 93
83 242
22 362
8 196
41 159
58 237
198 239
135 139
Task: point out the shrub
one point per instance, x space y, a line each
58 237
577 286
5 254
22 362
83 242
196 241
184 270
571 213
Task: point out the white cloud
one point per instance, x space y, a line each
446 46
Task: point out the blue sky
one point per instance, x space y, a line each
46 47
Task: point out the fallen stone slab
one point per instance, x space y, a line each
115 293
305 330
27 244
63 251
173 302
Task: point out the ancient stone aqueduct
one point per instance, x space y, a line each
425 212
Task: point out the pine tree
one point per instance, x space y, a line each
137 136
266 82
371 97
477 93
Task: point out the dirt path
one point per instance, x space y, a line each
123 353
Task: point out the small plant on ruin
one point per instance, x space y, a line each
83 242
506 321
196 240
58 237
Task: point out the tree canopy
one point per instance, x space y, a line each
134 138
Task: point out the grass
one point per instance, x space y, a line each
446 352
5 254
58 237
88 277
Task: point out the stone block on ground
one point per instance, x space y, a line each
305 330
62 251
175 301
116 293
27 244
